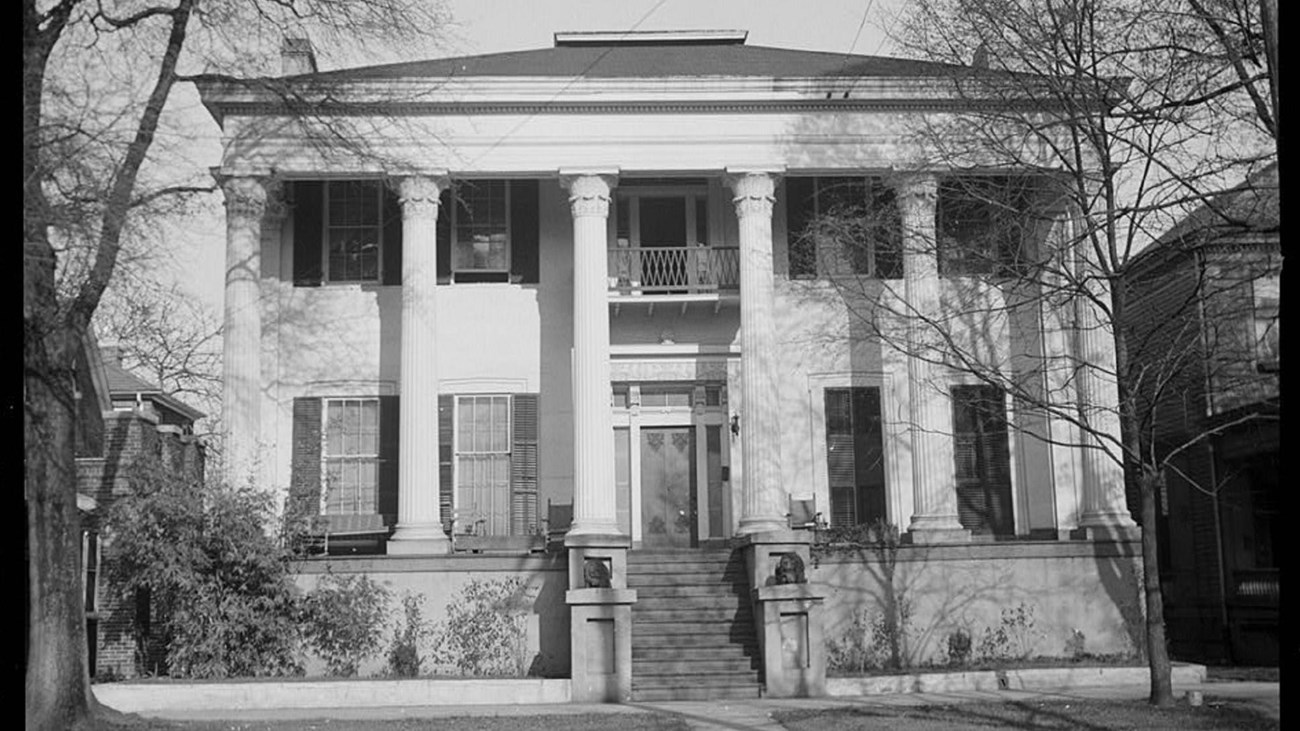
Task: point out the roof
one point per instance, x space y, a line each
644 59
1247 213
122 382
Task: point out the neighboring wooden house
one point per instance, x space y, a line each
1205 326
121 417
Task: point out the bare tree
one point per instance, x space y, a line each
1083 130
101 150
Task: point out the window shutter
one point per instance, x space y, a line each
446 453
524 231
801 251
389 439
523 466
443 232
982 460
840 462
308 210
392 222
305 477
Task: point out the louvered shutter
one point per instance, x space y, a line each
982 460
523 466
443 233
800 202
389 446
305 477
308 213
524 253
840 461
446 453
868 454
392 222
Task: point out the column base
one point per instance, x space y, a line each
933 536
759 526
792 639
1106 533
418 540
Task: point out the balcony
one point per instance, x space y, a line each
650 275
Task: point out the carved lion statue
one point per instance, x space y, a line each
789 570
595 573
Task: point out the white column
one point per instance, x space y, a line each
763 501
419 524
1104 510
246 201
594 511
934 482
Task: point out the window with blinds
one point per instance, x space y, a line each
855 455
351 456
982 460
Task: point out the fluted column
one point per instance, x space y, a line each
593 455
763 502
419 524
1104 511
934 482
246 202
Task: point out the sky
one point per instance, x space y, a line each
489 26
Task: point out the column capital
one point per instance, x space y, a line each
753 191
589 190
917 187
246 195
418 194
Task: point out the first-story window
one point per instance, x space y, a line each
855 455
483 439
350 452
982 459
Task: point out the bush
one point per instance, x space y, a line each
959 647
343 620
484 633
221 596
404 654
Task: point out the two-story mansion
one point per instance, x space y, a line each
463 293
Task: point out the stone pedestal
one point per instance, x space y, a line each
788 617
600 619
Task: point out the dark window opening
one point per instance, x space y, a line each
982 458
843 225
982 224
855 456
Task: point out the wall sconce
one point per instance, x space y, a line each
735 425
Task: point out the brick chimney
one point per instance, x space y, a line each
111 353
297 57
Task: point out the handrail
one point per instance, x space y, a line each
650 269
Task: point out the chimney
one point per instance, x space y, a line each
111 354
297 57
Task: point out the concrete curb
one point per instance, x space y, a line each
335 694
150 697
1027 679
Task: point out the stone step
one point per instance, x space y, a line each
730 584
739 691
642 614
678 668
693 651
702 600
691 678
715 592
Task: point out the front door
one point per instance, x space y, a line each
668 488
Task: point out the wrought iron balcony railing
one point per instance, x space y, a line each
650 269
1257 586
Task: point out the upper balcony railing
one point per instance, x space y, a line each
674 270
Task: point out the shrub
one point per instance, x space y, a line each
959 647
485 633
404 654
343 620
220 593
1014 637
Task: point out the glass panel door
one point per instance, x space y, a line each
668 488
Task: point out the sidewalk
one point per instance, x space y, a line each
748 715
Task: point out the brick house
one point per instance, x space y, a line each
1208 292
122 417
573 291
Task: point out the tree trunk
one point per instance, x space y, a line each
58 692
1162 692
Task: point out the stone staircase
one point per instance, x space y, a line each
693 635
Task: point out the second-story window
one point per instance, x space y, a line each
982 223
842 226
353 230
480 225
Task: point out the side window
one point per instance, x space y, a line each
982 459
1267 301
855 456
483 440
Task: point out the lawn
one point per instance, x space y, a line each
1031 716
